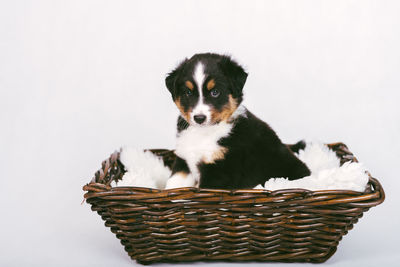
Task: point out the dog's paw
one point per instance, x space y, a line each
180 179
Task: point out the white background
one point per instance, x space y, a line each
79 79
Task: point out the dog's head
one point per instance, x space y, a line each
207 88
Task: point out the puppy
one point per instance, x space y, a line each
220 144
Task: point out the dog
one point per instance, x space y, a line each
221 144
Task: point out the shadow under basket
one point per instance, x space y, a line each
191 224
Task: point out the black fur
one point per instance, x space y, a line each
255 154
180 166
182 124
298 146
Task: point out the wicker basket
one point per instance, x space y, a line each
190 224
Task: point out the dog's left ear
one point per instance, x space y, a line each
235 74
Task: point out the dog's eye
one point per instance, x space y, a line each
214 93
188 92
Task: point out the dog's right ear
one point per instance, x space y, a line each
170 80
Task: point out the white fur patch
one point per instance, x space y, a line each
200 108
144 169
199 75
200 142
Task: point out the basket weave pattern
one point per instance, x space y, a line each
190 224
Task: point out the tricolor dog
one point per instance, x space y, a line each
220 144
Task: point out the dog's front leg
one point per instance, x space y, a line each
181 176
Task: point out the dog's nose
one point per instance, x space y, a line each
199 118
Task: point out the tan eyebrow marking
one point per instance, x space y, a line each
210 84
189 85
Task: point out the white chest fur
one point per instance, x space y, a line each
200 143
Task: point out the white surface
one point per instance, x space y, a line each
79 79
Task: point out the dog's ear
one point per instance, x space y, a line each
171 78
235 73
170 81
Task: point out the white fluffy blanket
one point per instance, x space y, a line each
144 169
